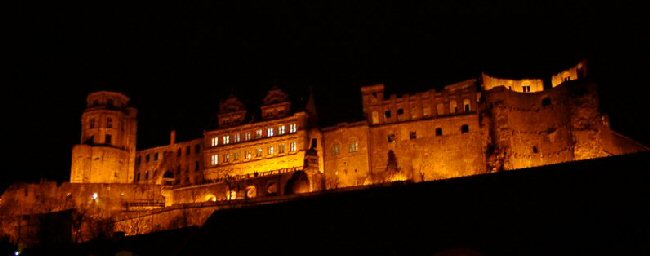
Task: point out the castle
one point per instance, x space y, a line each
472 127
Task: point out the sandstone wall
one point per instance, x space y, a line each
428 156
345 166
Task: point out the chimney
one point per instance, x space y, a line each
172 137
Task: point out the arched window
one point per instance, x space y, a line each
467 106
453 106
336 148
440 109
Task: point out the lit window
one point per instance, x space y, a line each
281 130
226 139
292 146
226 158
247 136
453 107
214 160
92 123
215 141
281 148
258 153
109 122
235 156
354 146
258 133
269 132
271 150
336 149
375 117
237 138
466 105
248 155
293 128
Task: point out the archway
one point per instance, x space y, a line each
297 184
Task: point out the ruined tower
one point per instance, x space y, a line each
108 136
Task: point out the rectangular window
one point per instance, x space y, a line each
391 137
258 153
237 138
109 122
109 139
293 146
464 128
248 155
92 123
426 111
269 132
438 131
197 149
271 150
214 159
281 130
155 157
187 150
215 141
354 146
337 149
258 133
293 128
388 114
147 158
400 111
526 88
281 148
413 135
375 117
235 156
226 158
247 136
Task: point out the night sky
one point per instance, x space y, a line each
176 61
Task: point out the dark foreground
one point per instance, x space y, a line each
595 207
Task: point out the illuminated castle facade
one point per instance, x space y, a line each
472 127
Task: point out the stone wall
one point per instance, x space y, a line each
346 164
422 154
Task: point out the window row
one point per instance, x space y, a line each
353 147
179 153
439 132
259 133
426 110
217 159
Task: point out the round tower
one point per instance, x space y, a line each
108 136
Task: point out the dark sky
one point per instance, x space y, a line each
176 61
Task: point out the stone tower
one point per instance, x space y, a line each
108 136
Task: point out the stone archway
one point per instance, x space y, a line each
297 184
